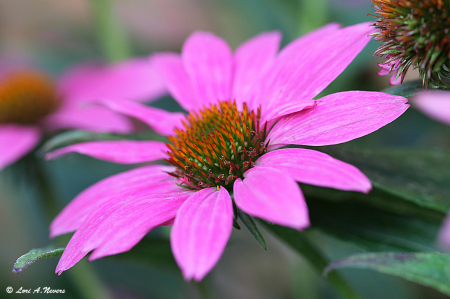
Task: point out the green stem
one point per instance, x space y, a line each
113 40
312 15
82 275
302 245
87 282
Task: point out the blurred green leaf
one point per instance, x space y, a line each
72 137
250 224
34 255
430 269
300 243
153 251
407 89
368 226
414 175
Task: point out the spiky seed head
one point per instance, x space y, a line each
415 33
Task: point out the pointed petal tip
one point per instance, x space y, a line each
367 188
304 225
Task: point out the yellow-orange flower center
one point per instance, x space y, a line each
216 146
25 97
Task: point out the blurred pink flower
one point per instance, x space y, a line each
30 104
226 153
435 104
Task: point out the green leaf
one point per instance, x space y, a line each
417 176
429 269
34 255
371 227
153 251
252 228
300 243
407 89
72 137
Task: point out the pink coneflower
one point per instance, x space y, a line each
225 155
30 103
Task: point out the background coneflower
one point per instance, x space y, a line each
415 33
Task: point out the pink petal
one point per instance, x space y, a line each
16 141
435 104
134 79
316 168
76 115
171 69
444 234
149 178
126 227
117 227
281 110
252 60
272 195
201 231
121 151
307 65
338 118
159 120
208 61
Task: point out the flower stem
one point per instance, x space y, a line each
112 37
82 276
87 282
312 15
302 245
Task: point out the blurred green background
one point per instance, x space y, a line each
55 34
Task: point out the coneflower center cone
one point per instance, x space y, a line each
216 146
25 97
415 33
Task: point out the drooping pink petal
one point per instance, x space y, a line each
338 118
16 141
120 151
126 227
435 104
272 195
135 79
170 66
117 227
307 65
201 230
252 59
161 121
150 178
316 168
444 234
208 62
77 115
